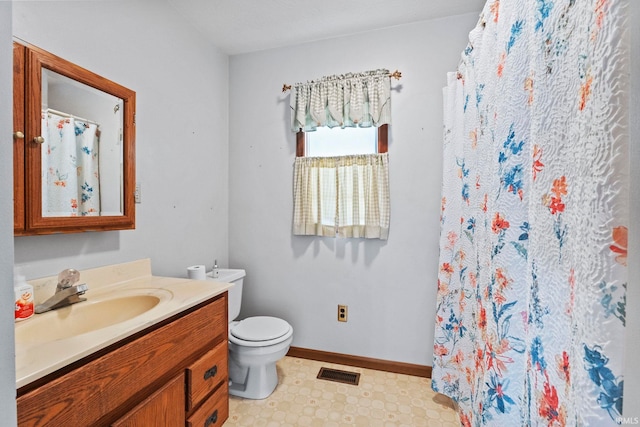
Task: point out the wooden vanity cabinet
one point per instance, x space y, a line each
173 374
207 374
163 405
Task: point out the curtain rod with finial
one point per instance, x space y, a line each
71 116
396 74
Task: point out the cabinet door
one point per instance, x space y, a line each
18 137
165 407
39 75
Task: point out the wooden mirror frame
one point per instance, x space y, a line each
35 223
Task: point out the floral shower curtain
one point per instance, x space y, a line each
70 173
531 286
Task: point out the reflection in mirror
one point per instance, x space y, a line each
78 150
82 149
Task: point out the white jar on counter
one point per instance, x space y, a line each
24 307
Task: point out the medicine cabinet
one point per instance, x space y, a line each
74 147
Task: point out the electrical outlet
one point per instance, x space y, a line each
342 313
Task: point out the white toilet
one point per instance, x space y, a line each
255 344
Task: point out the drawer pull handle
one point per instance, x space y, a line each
212 419
211 372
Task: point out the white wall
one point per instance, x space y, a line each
181 132
7 352
390 287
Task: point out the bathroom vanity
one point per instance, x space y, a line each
166 365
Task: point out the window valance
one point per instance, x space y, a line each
349 100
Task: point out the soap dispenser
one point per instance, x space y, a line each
215 273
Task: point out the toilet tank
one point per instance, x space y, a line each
235 276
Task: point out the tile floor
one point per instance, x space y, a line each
380 399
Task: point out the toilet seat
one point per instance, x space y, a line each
260 331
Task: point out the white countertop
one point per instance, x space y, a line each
39 356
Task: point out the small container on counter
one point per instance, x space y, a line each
24 306
215 273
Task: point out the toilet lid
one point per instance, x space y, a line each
260 328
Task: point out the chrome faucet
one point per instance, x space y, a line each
67 292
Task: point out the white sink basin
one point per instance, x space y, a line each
87 316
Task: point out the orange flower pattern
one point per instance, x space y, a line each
619 247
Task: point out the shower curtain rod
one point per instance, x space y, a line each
396 74
71 116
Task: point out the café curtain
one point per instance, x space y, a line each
345 196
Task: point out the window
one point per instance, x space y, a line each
341 171
324 142
341 186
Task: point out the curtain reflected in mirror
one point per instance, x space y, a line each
82 149
70 166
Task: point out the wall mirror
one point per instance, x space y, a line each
76 144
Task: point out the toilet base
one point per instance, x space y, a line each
252 370
259 381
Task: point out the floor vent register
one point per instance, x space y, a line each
345 377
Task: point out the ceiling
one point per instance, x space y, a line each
242 26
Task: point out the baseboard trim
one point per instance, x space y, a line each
361 362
